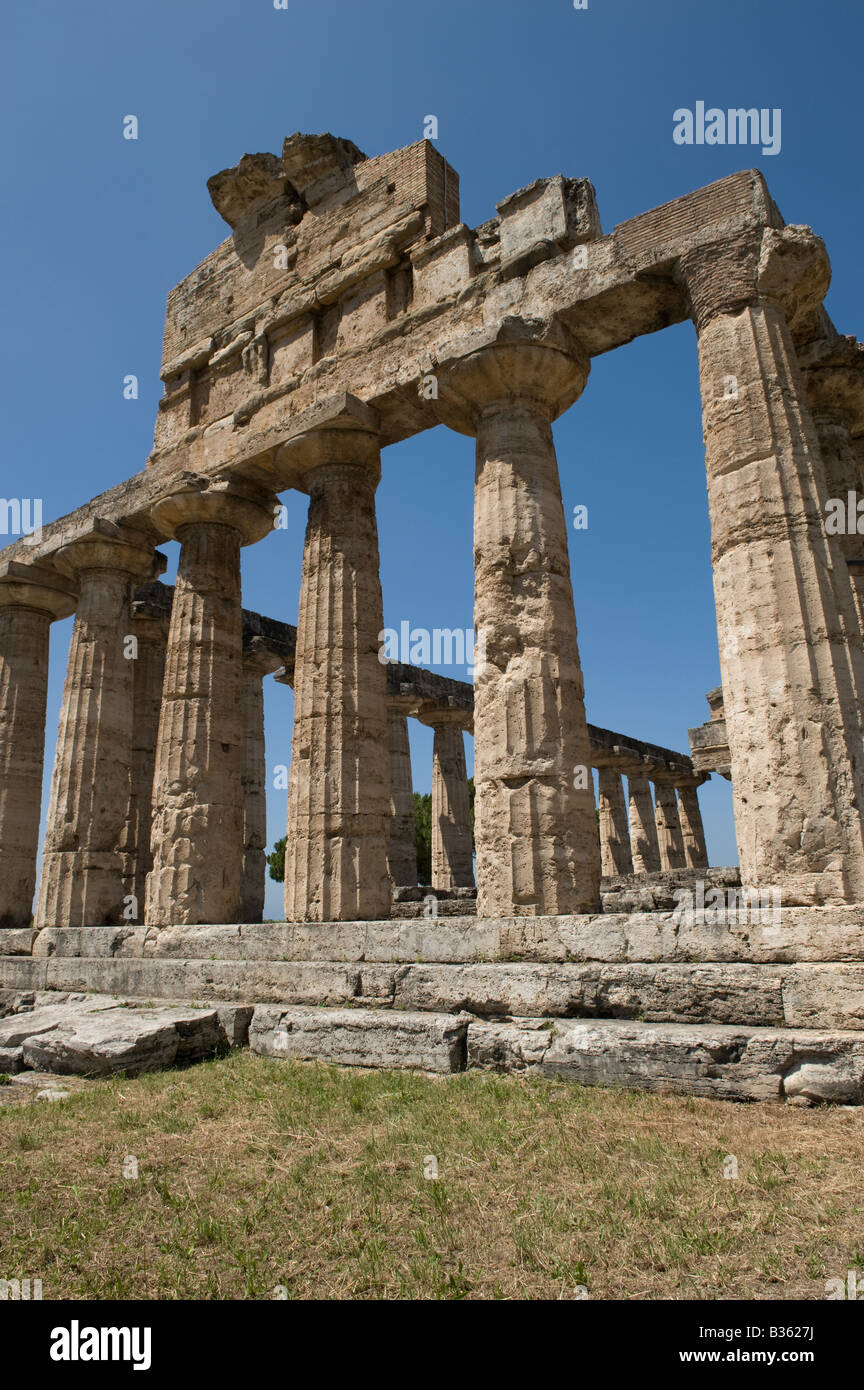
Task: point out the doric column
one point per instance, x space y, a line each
535 831
615 852
338 796
452 853
401 845
669 839
690 816
86 869
789 690
151 613
833 376
197 834
643 826
31 598
258 662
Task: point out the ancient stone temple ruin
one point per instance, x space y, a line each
348 309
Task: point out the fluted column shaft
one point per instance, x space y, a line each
616 854
197 839
86 870
669 838
338 797
537 849
692 832
24 643
452 854
197 829
535 831
643 826
789 686
148 676
840 463
401 844
254 782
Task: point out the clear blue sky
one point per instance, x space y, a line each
98 229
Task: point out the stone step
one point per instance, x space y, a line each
808 995
96 1035
802 1066
798 934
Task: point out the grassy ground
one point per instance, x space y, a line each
254 1174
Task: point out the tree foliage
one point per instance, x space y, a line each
276 860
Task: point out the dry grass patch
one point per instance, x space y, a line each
254 1174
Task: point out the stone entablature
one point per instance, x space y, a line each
607 302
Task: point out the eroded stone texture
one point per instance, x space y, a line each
692 831
725 1062
833 376
338 797
85 867
401 847
789 693
198 805
643 825
150 628
27 610
535 830
669 839
96 1035
452 855
361 1037
257 663
615 852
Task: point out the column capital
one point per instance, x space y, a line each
833 373
691 780
325 454
670 774
435 716
151 610
259 658
338 432
245 507
37 587
629 764
524 362
109 546
788 266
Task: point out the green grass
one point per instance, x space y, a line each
256 1176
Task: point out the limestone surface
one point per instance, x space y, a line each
92 1036
361 1038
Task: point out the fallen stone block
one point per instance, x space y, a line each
18 1027
11 1061
97 1035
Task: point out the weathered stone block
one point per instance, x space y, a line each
361 1038
727 1063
